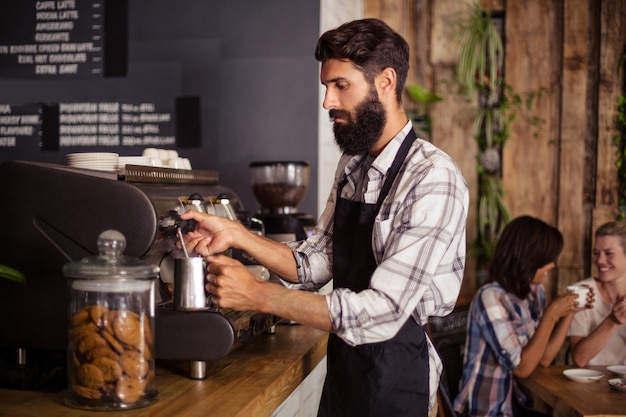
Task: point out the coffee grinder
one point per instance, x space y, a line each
280 186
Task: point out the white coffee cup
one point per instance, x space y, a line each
582 291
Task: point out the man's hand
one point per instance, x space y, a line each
213 234
232 285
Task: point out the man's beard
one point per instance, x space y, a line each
355 137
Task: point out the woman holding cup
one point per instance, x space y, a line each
598 335
511 328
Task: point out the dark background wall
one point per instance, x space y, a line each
250 62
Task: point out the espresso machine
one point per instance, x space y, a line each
279 187
53 215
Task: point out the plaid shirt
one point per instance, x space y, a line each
418 241
499 326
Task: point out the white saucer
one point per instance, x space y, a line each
618 384
583 375
619 370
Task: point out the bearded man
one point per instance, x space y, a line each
392 239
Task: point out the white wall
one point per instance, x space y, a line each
333 13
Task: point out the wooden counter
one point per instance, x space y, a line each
554 394
253 380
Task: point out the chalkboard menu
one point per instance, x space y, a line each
111 126
115 124
21 123
62 39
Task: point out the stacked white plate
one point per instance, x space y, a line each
102 161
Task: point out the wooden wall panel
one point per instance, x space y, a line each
452 132
421 68
445 47
529 162
610 86
400 15
530 170
566 175
577 25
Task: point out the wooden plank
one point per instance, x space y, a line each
574 128
494 5
421 68
529 163
401 17
612 40
452 132
445 47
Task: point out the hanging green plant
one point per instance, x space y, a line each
421 116
481 58
12 274
480 70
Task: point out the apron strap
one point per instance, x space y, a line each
395 167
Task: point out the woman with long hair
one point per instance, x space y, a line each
510 330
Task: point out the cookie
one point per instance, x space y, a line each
147 330
111 370
101 352
79 318
112 341
146 352
127 329
89 342
134 364
109 320
81 331
98 315
85 392
129 390
90 376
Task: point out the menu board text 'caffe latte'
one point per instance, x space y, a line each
52 39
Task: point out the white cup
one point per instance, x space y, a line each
582 291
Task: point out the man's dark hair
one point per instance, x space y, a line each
371 45
526 244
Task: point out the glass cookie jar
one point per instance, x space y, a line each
111 329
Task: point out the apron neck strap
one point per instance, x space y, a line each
392 172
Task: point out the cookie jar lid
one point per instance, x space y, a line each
111 265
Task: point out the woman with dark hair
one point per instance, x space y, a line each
510 330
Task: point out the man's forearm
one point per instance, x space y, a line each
300 306
275 256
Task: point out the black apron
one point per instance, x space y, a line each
385 379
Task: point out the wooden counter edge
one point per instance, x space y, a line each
253 380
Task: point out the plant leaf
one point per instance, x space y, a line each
12 274
420 95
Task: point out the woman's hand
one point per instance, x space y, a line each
563 305
618 312
591 298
